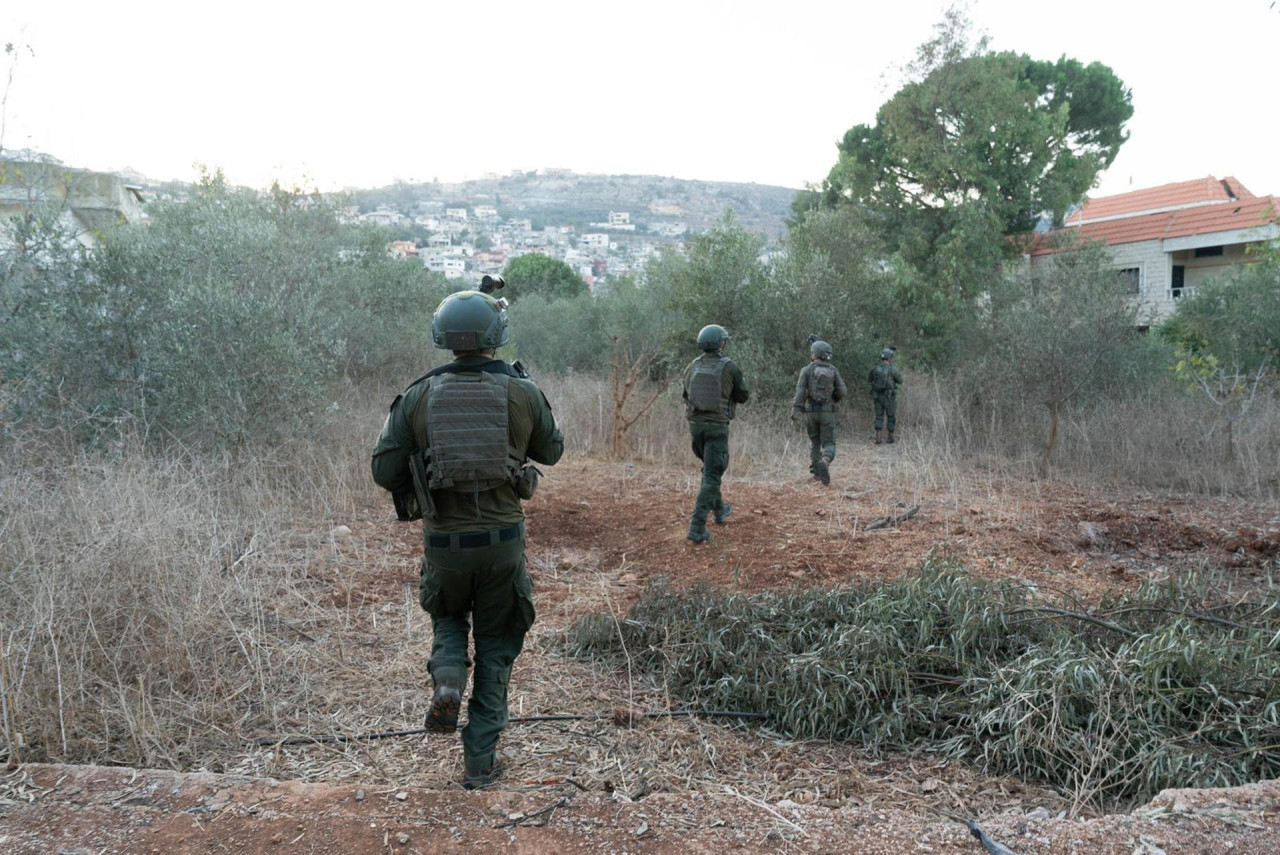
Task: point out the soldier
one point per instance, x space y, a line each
817 390
885 380
713 387
455 451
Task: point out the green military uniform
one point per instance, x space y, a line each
473 576
819 415
885 380
709 428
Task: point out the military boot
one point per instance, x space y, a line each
475 780
722 513
824 471
879 436
442 716
890 440
699 533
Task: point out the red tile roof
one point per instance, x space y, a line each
1201 191
1198 207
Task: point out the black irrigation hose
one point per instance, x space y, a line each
622 715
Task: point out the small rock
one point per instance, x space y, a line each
1040 814
515 817
1092 534
402 838
401 796
359 795
340 532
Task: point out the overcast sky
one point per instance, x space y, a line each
362 94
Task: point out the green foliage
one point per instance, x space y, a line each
1164 687
223 321
576 333
540 274
1233 321
1059 327
830 282
972 151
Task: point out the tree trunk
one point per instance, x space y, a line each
1053 438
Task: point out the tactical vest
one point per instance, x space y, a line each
822 382
467 430
882 378
709 388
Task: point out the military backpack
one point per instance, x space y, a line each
822 382
882 378
707 392
467 430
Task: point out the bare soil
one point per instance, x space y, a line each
598 533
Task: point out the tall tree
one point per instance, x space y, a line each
977 146
539 274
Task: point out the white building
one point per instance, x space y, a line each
1166 241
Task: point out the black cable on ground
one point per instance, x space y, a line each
621 717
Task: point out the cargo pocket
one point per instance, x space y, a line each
429 589
523 616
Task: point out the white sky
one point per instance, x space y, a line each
361 94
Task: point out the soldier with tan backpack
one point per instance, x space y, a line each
818 389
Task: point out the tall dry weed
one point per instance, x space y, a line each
141 596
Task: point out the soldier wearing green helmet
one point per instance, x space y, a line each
457 451
713 388
885 381
818 389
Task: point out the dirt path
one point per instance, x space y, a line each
93 809
598 533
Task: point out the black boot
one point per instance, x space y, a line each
723 512
824 472
699 533
890 439
483 778
442 716
879 436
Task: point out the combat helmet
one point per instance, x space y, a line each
887 353
712 337
470 320
822 350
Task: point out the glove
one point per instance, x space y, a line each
795 418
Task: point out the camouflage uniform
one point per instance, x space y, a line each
885 380
473 574
819 418
710 434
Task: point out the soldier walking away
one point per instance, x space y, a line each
713 387
457 451
885 380
818 389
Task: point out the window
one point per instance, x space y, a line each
1178 285
1208 251
1131 278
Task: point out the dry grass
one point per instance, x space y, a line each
160 607
1174 443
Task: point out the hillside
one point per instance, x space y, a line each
581 199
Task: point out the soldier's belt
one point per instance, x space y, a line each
815 407
475 540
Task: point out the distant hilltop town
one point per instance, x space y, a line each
603 226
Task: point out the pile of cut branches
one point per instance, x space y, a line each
1162 687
